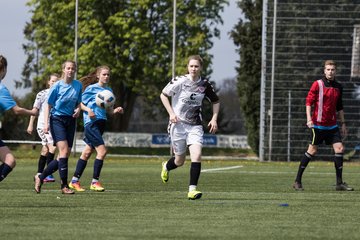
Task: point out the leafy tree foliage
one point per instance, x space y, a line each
247 35
134 38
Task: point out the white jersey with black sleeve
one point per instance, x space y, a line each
187 97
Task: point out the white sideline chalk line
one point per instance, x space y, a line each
221 169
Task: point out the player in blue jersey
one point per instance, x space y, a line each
94 126
7 103
48 149
187 93
63 107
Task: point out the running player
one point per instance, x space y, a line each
187 93
64 107
94 126
7 103
48 149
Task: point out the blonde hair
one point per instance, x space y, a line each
330 62
92 77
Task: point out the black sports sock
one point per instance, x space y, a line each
50 156
80 167
98 164
170 165
5 170
303 164
50 169
195 170
338 162
41 163
63 171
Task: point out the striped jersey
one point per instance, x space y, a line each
187 97
326 99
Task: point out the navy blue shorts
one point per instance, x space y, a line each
62 128
2 144
93 132
329 136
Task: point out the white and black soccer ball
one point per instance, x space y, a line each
105 99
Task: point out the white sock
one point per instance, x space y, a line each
94 181
192 188
75 179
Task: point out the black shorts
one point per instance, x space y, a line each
330 137
2 144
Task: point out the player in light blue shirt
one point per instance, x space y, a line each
94 127
64 107
7 103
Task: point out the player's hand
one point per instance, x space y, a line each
310 124
91 114
29 130
118 110
76 113
173 118
46 128
213 126
344 132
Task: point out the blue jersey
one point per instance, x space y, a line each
88 99
6 100
64 97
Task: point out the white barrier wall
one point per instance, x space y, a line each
162 140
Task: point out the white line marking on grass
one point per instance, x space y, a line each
221 169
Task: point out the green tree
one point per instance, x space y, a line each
247 36
133 37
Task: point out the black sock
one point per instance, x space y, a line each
50 169
338 162
303 164
5 170
50 156
97 168
195 170
80 167
41 163
170 165
63 171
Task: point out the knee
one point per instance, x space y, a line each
10 160
339 149
101 154
179 160
86 155
44 150
52 148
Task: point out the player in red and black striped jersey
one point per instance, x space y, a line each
323 108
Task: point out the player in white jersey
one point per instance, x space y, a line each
187 93
48 149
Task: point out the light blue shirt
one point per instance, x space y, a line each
6 100
88 99
65 97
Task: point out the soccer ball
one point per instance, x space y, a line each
105 99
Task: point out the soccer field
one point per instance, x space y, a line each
241 200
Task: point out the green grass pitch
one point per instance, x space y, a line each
241 200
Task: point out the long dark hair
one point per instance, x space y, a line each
92 78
